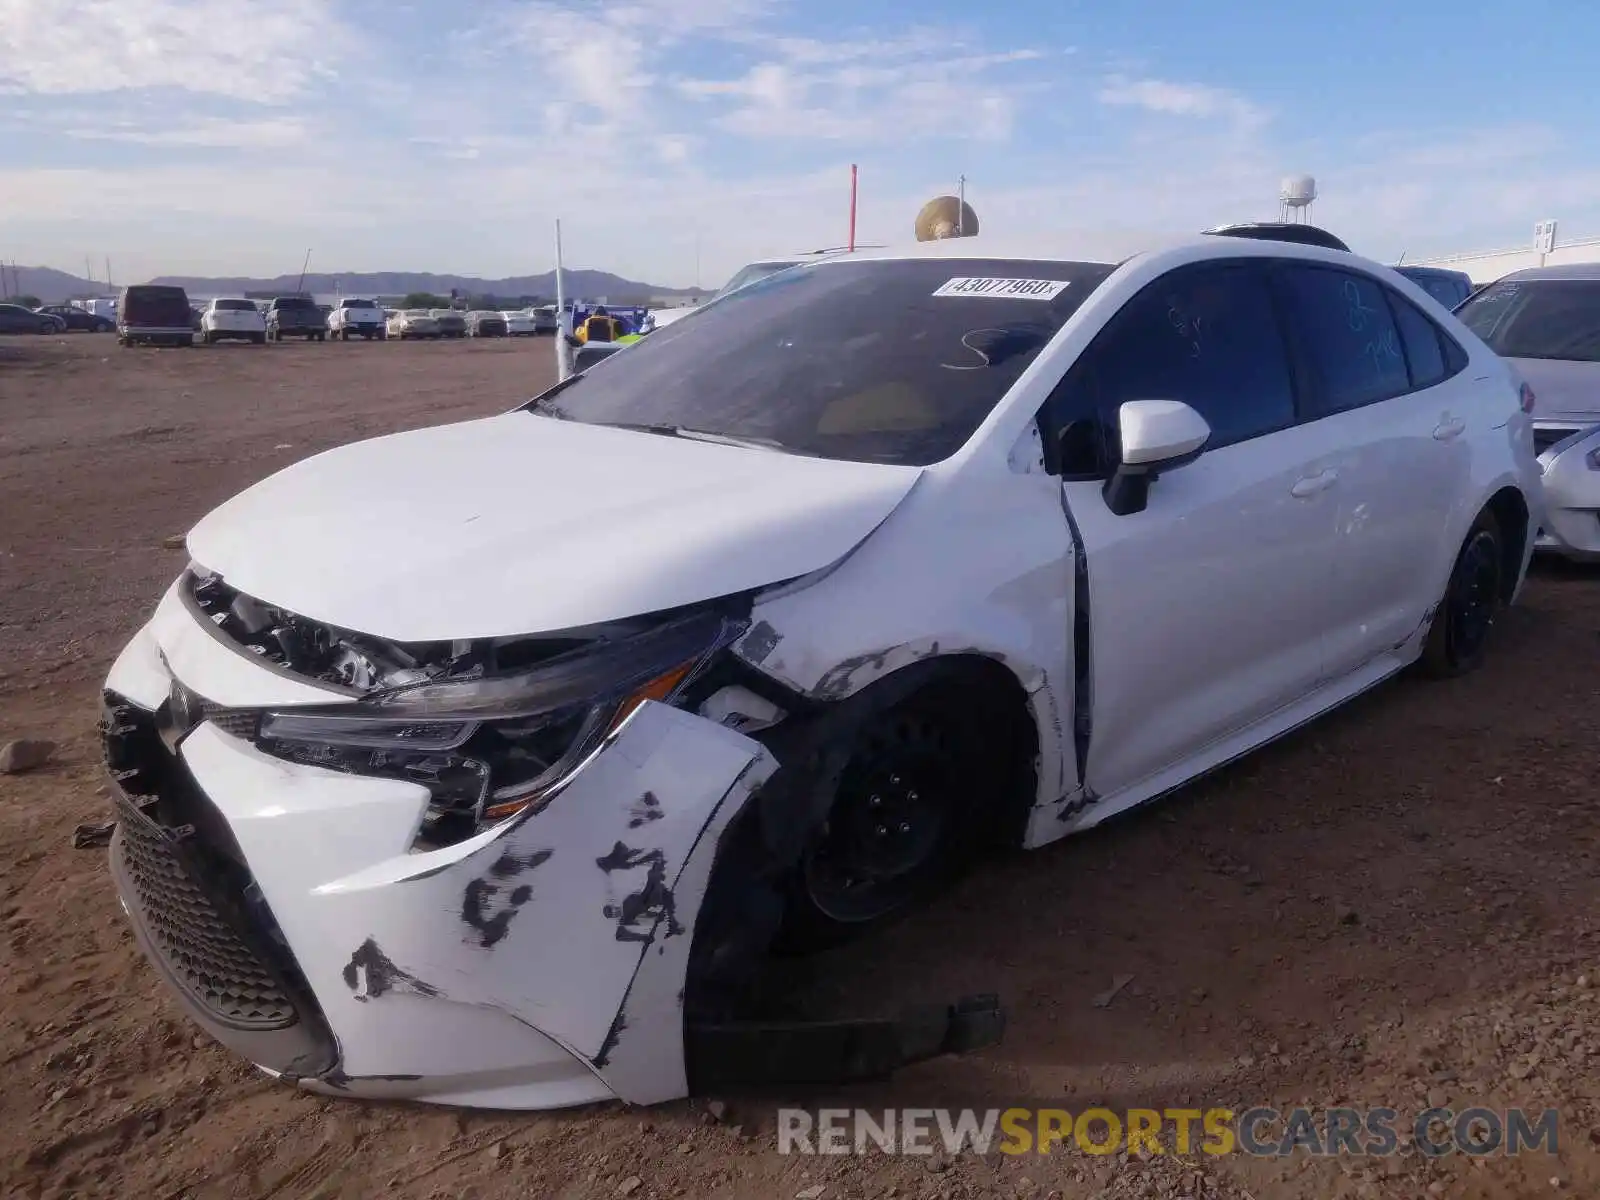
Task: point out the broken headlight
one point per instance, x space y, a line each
488 744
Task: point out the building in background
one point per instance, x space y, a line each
1543 250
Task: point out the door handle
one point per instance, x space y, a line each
1312 484
1451 427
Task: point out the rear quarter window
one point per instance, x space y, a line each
1349 336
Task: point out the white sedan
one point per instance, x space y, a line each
520 324
427 789
410 323
1546 322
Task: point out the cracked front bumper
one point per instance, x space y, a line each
540 963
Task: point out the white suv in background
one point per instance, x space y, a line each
357 318
232 318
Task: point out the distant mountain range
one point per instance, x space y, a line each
53 286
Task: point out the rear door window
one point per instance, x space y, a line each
1348 335
1423 343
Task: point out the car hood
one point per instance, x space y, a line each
524 524
1563 390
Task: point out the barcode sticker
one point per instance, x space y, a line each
1010 289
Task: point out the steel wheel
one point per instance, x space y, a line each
887 829
1474 596
1472 600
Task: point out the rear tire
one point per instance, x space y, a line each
1473 598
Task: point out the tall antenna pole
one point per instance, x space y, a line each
961 208
300 285
697 260
854 177
88 268
563 351
108 271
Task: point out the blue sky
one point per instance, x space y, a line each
204 137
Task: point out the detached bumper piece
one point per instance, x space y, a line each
753 1053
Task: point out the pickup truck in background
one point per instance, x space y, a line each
295 316
357 318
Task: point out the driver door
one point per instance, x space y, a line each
1208 609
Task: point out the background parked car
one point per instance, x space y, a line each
77 320
358 317
485 323
451 323
413 323
1449 288
14 318
1546 322
155 315
296 316
232 319
544 319
520 324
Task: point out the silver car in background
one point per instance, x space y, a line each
1546 322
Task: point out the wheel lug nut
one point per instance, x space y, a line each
875 802
905 827
882 831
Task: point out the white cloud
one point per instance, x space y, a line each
1180 99
213 132
656 128
913 88
263 52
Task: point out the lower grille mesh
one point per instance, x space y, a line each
196 942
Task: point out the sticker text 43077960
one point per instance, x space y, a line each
1009 289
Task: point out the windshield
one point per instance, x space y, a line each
233 306
891 361
284 302
752 273
1546 318
357 304
418 312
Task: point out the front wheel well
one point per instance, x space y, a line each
1510 511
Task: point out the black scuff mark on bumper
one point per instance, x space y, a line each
838 682
759 643
481 909
646 809
613 1035
370 964
638 913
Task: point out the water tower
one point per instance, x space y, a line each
1296 195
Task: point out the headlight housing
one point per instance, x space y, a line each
490 743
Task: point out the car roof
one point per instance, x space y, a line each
1431 272
1588 270
1109 249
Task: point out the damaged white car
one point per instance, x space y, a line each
497 791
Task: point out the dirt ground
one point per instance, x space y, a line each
1396 907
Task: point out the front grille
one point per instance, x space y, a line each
199 946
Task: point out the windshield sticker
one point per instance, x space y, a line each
1010 289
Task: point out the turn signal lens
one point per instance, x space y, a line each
1525 397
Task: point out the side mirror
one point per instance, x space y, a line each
1157 435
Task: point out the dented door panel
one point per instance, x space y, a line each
463 961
